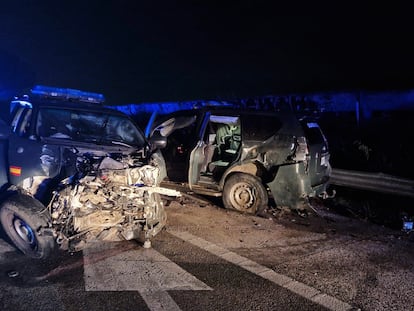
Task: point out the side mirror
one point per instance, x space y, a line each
157 141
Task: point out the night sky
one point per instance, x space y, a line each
147 51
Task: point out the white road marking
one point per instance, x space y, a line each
108 267
284 281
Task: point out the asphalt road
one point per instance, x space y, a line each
212 259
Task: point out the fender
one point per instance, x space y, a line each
251 168
290 186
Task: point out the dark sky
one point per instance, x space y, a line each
135 51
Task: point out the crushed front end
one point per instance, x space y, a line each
111 202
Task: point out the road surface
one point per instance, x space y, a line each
209 258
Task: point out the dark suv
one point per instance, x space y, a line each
75 172
245 156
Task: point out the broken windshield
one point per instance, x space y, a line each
86 126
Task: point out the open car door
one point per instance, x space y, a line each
217 148
182 137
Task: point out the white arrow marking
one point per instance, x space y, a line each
124 267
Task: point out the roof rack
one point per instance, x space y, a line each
69 94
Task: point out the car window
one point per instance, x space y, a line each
223 131
86 126
313 133
224 119
24 127
167 127
260 127
17 118
21 122
184 131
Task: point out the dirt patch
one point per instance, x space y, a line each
275 227
347 257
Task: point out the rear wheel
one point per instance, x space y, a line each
245 193
21 220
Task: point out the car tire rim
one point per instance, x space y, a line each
243 197
24 231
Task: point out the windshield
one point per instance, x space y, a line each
86 126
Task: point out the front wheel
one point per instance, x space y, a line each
21 220
245 193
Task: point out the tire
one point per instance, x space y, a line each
245 193
21 220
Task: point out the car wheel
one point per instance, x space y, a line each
21 220
245 193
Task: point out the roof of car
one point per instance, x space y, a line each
65 98
225 110
73 105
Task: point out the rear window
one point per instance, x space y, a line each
260 127
313 133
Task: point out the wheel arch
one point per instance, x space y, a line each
252 168
14 190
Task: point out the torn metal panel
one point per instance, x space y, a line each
114 202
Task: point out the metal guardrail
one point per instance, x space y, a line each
377 182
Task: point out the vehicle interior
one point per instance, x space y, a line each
223 140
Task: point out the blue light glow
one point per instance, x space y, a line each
68 94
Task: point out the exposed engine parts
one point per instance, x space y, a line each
108 202
106 199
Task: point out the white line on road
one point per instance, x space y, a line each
159 300
108 267
284 281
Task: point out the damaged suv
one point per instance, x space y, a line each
246 156
77 172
